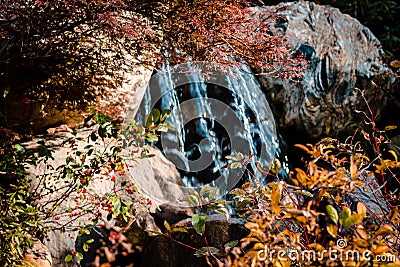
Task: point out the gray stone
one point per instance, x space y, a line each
36 117
343 55
155 171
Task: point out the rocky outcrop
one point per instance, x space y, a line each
32 116
343 55
153 170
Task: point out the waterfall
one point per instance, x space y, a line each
216 112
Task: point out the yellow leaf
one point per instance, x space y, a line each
276 208
393 264
394 214
384 230
361 231
394 155
332 230
276 166
395 64
353 168
301 219
353 219
361 242
167 226
276 195
361 209
390 127
381 249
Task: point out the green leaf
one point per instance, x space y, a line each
6 91
344 215
89 241
243 204
152 118
205 189
234 165
199 222
192 200
150 137
202 252
19 149
68 258
79 255
100 118
276 166
237 191
165 114
102 132
353 219
117 205
332 213
231 244
213 193
92 110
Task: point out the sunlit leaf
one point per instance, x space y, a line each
332 230
276 166
384 230
361 209
199 222
353 219
361 231
167 226
68 258
332 213
205 189
344 215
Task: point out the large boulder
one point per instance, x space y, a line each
343 55
26 115
154 171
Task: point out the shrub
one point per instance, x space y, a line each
100 156
338 210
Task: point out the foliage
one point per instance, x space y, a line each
66 52
319 212
341 209
68 200
19 219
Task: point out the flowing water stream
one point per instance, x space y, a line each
215 113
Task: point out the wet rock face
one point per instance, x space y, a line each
343 55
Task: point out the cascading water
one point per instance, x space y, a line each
214 114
